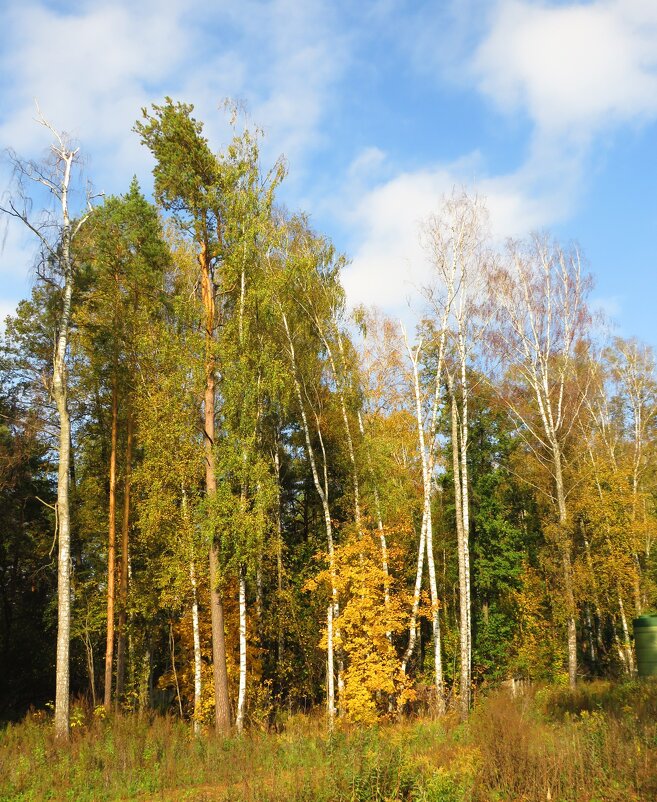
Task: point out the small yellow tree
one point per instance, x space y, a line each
368 618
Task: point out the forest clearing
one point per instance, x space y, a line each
266 536
598 744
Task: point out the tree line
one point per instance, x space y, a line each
227 496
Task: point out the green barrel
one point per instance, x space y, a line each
645 640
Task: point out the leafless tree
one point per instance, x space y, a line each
55 232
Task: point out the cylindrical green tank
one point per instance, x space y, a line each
645 640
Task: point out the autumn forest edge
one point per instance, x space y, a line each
228 496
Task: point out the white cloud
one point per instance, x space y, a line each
574 68
93 69
389 265
89 70
93 66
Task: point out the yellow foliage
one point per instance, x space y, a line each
364 629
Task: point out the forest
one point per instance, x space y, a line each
230 502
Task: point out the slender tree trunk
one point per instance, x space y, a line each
64 561
564 547
427 468
279 557
464 695
123 575
435 606
111 545
591 633
222 708
322 492
60 394
91 669
465 500
197 649
622 654
627 643
241 697
172 644
412 628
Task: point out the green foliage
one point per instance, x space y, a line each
218 293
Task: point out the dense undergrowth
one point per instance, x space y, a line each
597 744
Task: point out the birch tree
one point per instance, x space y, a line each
541 320
295 260
55 234
457 239
633 368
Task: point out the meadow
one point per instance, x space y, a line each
595 744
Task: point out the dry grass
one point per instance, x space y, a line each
598 744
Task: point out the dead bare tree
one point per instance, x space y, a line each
55 232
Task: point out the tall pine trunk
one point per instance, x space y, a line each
222 709
111 544
123 575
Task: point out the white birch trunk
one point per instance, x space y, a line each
412 627
464 691
427 468
322 492
241 697
627 643
197 649
60 394
465 506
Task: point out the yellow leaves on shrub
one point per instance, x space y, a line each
364 628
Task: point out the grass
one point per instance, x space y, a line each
597 744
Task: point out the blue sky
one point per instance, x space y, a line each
548 109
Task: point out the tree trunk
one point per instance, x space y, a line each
279 557
60 394
123 576
627 644
111 545
322 492
241 697
412 629
91 669
64 563
197 649
222 708
464 694
427 468
435 607
465 501
564 546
